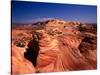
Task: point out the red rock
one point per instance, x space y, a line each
61 48
19 64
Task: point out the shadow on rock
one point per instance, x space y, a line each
32 50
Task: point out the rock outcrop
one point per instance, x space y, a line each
60 46
20 65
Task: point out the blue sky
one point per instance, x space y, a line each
27 12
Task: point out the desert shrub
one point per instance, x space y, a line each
81 28
20 44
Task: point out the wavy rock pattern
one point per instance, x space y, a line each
61 54
66 47
19 64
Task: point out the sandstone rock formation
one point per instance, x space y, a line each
60 46
19 64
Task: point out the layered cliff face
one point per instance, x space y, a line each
60 46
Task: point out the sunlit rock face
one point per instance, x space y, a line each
59 46
60 53
19 64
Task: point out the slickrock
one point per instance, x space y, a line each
60 54
19 64
56 47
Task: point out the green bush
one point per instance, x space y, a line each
20 44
